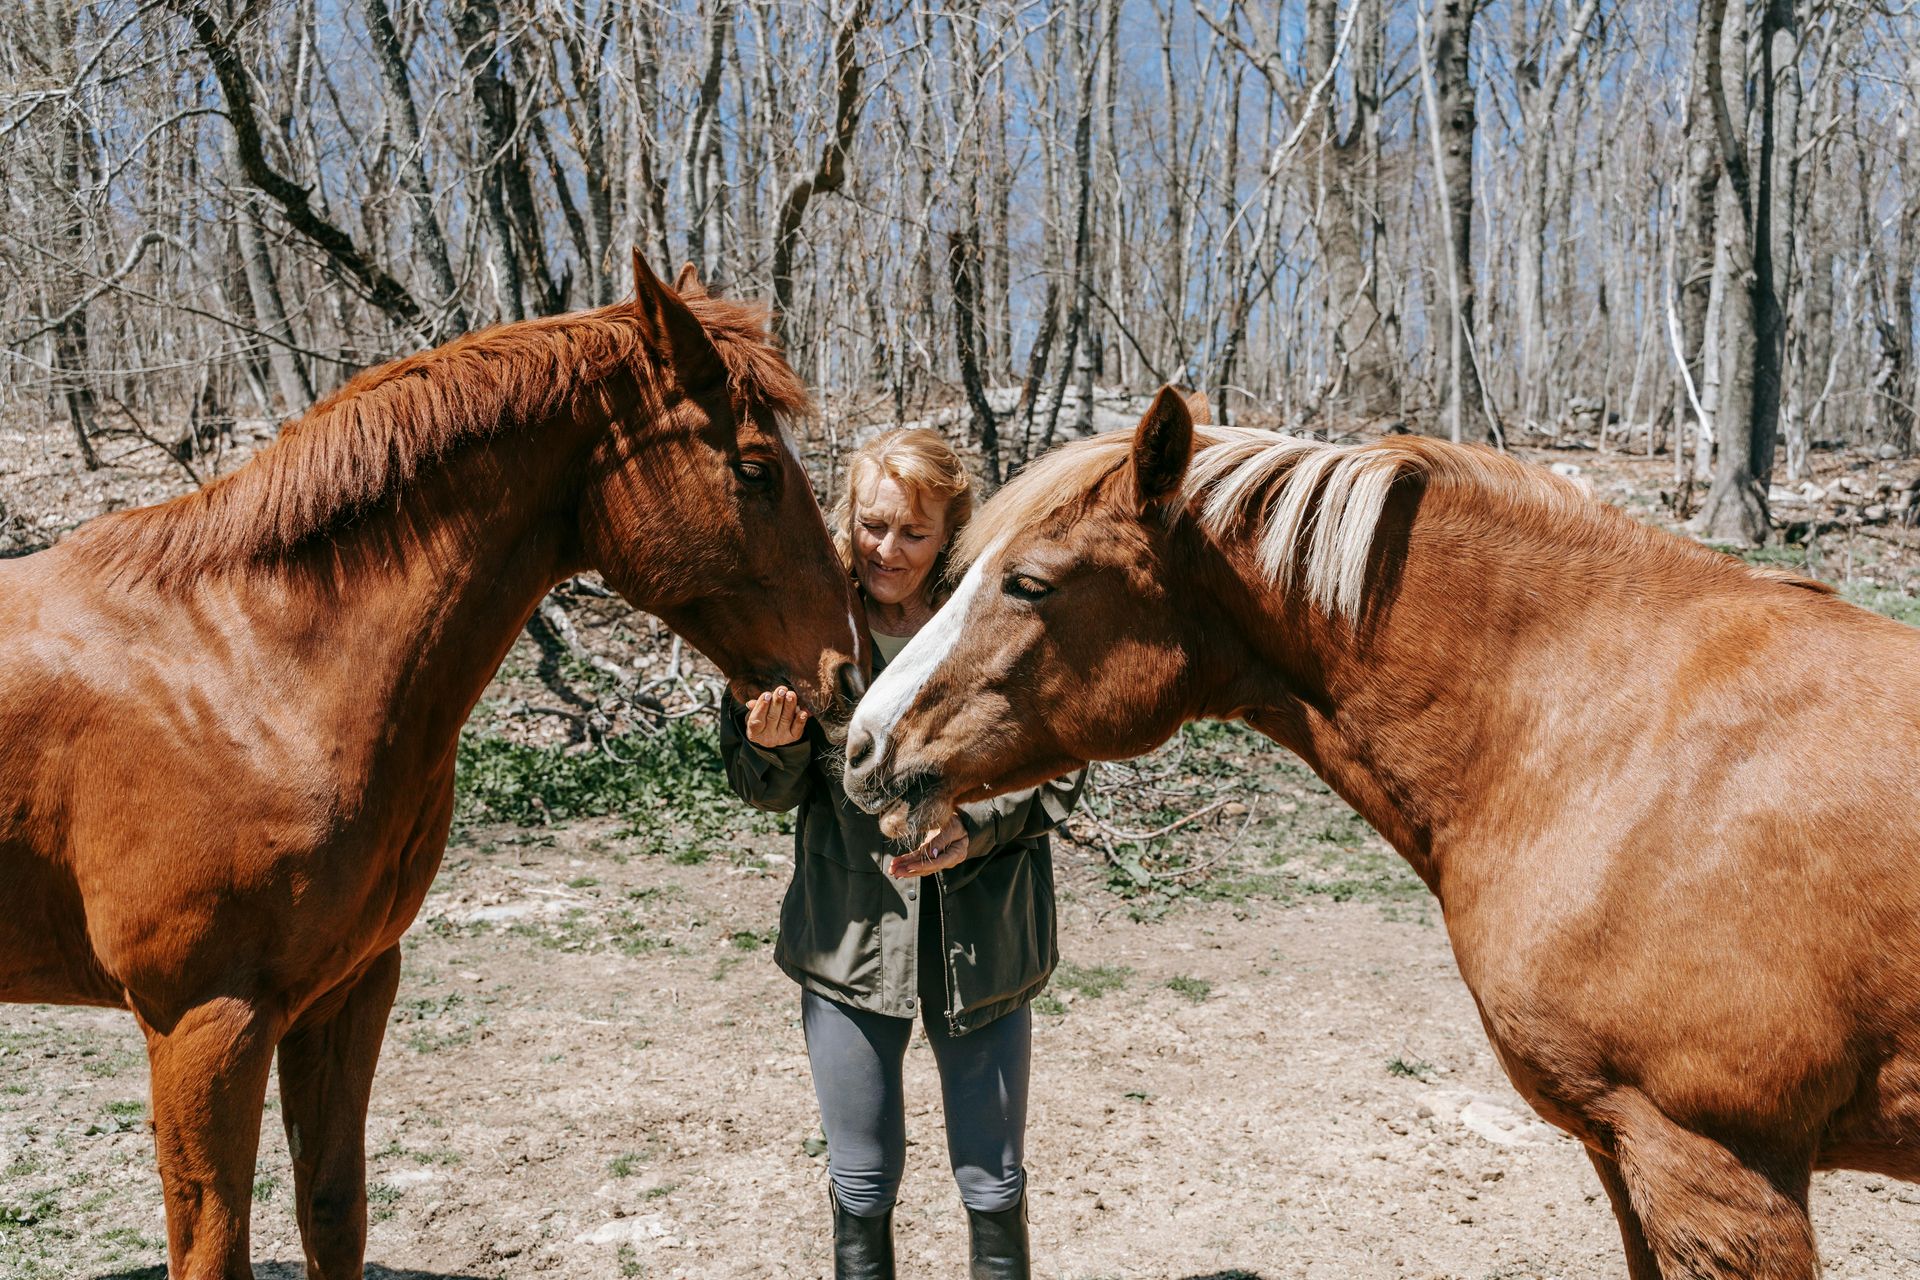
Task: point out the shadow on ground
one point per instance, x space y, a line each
293 1271
297 1271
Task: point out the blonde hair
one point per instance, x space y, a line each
923 463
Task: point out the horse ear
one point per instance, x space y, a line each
672 330
1199 408
687 283
1162 446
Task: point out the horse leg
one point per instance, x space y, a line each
326 1076
209 1072
1641 1264
1707 1213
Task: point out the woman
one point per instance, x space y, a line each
959 931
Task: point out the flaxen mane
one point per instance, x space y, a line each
1313 507
367 442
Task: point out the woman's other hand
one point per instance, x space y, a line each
776 719
945 848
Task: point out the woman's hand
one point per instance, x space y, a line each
945 848
776 719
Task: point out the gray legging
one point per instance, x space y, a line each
856 1058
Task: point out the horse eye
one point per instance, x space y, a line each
1025 587
757 475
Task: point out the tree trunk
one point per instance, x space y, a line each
831 173
1751 335
477 24
1453 106
1695 252
1365 373
695 171
403 122
294 200
1538 105
1087 64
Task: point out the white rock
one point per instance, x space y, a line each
1502 1121
644 1230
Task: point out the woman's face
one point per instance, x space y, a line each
896 539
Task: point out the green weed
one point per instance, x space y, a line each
1094 981
1194 989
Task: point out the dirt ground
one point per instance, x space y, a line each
1267 1069
595 1070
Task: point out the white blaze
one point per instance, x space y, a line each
893 693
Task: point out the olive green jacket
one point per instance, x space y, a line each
850 932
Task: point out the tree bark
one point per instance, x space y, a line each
1453 107
831 173
695 169
1752 331
477 23
1088 63
963 273
1537 104
1366 376
1694 254
403 122
236 87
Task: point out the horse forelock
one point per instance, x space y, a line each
362 445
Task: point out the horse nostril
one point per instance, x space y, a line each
859 749
852 684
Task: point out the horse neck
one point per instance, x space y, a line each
1478 664
421 602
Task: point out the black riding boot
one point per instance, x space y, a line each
1000 1243
862 1247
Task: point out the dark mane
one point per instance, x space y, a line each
363 445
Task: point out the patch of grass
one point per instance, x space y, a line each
1897 605
1194 989
383 1199
1410 1069
438 1022
121 1117
583 882
630 1268
670 785
1093 981
38 1207
1048 1006
626 1164
264 1186
752 939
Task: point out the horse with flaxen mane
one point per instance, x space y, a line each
1666 802
228 723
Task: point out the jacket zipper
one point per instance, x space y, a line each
946 975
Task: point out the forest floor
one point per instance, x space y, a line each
1257 1059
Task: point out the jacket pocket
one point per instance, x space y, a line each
1004 920
830 925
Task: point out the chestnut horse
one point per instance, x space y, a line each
1666 802
228 723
